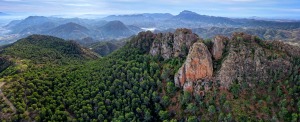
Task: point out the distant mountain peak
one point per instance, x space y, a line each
188 12
116 24
116 29
73 24
3 14
70 30
36 17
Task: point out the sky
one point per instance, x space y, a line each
289 9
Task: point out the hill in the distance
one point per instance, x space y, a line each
115 29
189 16
106 47
141 20
40 48
70 31
3 14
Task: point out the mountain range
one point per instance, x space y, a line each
122 26
70 29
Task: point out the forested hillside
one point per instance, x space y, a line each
53 80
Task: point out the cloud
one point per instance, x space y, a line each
126 0
238 0
12 0
208 7
79 5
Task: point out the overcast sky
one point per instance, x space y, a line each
228 8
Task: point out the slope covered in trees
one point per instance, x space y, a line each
132 84
106 47
39 49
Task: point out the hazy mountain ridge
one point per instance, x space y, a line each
115 29
70 31
192 19
74 28
141 20
160 22
3 14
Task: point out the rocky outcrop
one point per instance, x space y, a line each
143 41
183 40
247 61
170 45
247 58
166 45
218 46
163 45
282 46
198 65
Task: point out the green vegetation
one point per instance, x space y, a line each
47 49
53 80
107 47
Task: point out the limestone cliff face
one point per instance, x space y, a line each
143 41
248 61
183 40
246 58
162 45
170 45
198 65
218 46
287 48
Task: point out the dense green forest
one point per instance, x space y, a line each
55 80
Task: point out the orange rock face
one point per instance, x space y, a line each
198 65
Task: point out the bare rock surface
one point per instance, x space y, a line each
198 65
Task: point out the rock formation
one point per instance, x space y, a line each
218 46
247 61
162 45
170 45
143 41
198 65
287 48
